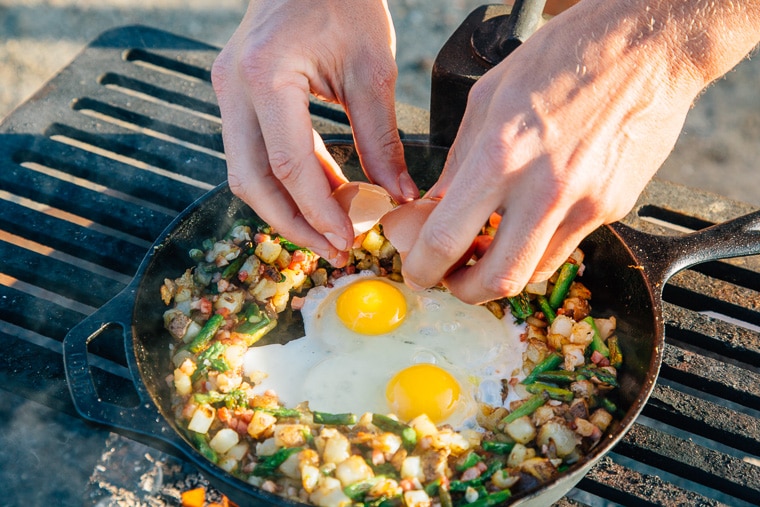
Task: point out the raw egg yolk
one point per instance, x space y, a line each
423 389
371 307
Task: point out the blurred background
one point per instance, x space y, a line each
718 149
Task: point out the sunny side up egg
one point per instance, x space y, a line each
373 345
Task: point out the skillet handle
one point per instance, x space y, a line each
143 419
664 256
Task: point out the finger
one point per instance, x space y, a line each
371 111
450 230
507 266
287 132
579 223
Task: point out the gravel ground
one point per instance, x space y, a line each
717 151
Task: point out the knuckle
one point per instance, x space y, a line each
441 242
284 166
501 285
221 72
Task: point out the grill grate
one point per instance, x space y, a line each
96 164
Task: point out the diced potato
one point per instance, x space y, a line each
503 480
283 259
417 498
582 333
574 356
333 446
387 250
423 426
238 451
412 468
290 467
329 493
519 454
262 424
562 325
266 448
558 433
352 470
231 301
202 418
268 251
540 468
182 383
177 323
601 419
228 463
309 477
606 327
521 429
373 242
249 271
264 290
290 435
224 440
538 288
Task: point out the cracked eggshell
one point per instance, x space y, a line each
364 202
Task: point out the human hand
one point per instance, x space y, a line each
281 53
560 138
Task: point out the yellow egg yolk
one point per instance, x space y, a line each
371 307
423 389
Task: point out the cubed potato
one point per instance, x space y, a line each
224 440
521 429
268 251
352 470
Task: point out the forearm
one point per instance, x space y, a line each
711 35
700 39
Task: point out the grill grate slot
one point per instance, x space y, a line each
71 239
160 63
141 151
166 98
131 121
671 219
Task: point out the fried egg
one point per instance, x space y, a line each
373 345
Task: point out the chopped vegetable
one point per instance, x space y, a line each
406 432
567 274
526 408
549 363
597 344
553 392
334 419
206 334
546 308
521 307
268 465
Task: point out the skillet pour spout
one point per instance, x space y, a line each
626 270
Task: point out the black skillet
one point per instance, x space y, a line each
626 271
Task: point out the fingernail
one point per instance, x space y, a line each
408 188
337 241
412 285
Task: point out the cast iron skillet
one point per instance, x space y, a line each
626 271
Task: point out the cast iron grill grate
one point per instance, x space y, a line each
96 164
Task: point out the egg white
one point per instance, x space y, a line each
338 370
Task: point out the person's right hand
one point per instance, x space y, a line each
341 51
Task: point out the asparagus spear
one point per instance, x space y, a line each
334 419
206 333
566 276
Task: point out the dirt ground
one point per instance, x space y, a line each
718 149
